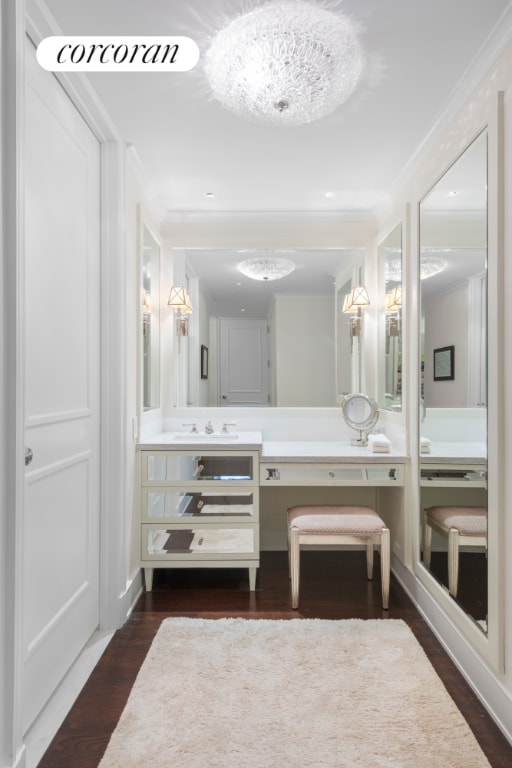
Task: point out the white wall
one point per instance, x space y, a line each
446 324
304 361
203 337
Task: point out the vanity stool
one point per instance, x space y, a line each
338 524
461 526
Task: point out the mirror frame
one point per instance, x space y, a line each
144 223
437 329
491 646
383 320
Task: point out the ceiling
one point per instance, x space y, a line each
417 53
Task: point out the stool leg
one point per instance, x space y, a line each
295 565
427 544
385 566
369 560
289 553
453 561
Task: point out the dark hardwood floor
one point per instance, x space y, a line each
333 586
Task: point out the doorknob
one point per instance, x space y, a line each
28 456
224 397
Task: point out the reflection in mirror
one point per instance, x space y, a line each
453 380
344 345
390 321
271 341
150 280
351 299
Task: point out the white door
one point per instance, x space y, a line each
62 386
243 361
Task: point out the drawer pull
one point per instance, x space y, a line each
331 473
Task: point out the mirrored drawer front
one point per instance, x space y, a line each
331 474
196 542
454 476
176 505
162 467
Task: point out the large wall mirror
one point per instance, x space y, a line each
271 340
150 297
453 381
390 321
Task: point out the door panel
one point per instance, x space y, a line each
62 387
243 351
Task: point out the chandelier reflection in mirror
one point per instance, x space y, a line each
266 268
287 62
430 265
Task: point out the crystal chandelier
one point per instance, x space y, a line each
287 62
429 266
266 268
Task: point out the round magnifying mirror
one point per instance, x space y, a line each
361 413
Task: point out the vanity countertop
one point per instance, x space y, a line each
239 441
323 451
271 450
455 453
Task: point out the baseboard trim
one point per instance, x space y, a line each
39 736
43 730
480 677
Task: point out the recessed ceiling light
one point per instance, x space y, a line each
210 194
453 193
242 310
329 194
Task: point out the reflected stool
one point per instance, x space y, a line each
338 524
462 526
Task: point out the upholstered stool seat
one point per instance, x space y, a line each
465 526
337 524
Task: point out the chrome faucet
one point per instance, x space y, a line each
209 428
193 430
225 430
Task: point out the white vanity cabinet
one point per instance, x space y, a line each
199 509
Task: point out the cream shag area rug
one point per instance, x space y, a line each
308 693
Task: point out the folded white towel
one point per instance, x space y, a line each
379 448
379 444
424 445
379 439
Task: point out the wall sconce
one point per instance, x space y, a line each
179 301
353 303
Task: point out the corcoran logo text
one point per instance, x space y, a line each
117 54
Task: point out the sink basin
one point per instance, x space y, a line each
193 436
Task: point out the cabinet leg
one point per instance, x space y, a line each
148 578
252 579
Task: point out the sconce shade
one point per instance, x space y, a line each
356 300
179 300
348 308
360 297
394 300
